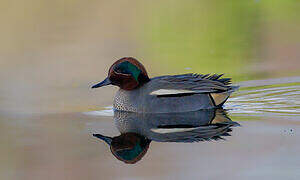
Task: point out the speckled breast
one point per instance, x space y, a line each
126 100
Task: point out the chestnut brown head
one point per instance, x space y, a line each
127 73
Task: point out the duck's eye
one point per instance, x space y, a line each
118 70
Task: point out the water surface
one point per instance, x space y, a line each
266 145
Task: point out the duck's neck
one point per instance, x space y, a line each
142 80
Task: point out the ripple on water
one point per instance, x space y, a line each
283 99
107 111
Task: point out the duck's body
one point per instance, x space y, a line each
165 94
179 93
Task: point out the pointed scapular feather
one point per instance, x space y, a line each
192 83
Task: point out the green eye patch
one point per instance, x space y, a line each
128 68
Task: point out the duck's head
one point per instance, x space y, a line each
127 73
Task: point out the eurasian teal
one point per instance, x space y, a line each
164 94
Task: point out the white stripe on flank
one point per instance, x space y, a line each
173 130
170 91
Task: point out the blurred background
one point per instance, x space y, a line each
51 52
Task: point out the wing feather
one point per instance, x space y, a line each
192 83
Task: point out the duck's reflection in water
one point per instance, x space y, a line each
138 130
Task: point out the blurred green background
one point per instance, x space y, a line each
244 39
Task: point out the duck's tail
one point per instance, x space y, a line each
220 98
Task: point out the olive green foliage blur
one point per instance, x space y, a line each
214 36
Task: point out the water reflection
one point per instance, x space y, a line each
138 130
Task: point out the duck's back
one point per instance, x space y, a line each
179 93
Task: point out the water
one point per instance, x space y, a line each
62 145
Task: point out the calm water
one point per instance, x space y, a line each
61 145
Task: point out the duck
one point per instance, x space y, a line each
164 94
